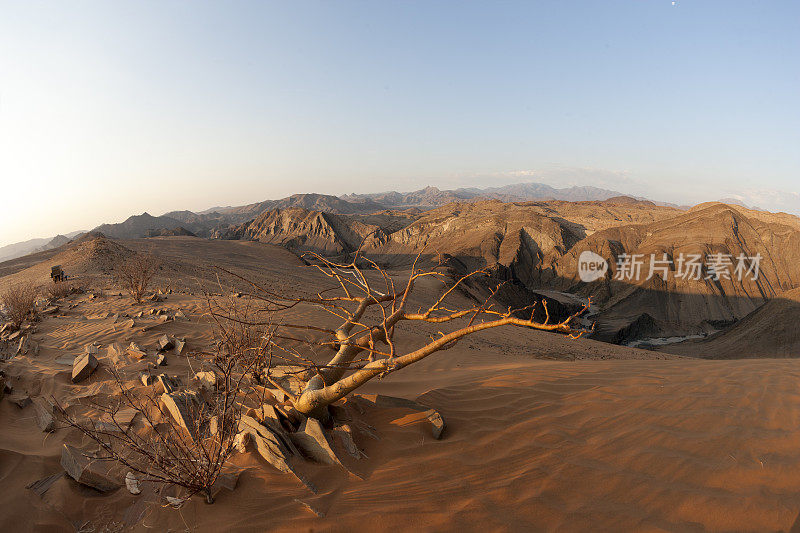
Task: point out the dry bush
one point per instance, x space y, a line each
135 273
58 290
364 343
163 450
19 303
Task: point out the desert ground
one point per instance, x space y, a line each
542 432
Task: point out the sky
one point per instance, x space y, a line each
109 109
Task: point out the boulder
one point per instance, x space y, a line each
311 439
165 343
180 344
132 484
206 380
83 366
182 405
135 351
45 414
86 470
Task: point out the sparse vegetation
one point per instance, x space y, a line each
58 290
364 344
19 303
135 273
189 450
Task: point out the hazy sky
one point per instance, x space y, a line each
109 109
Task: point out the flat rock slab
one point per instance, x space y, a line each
45 414
311 439
86 470
432 415
120 421
83 366
182 406
41 486
165 342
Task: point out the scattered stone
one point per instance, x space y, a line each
155 298
180 344
140 314
120 421
66 360
311 439
437 423
161 359
21 401
182 406
177 503
147 379
83 366
134 350
241 441
433 416
86 470
180 314
92 348
206 380
225 480
43 485
45 415
345 435
132 484
50 310
166 383
319 512
165 343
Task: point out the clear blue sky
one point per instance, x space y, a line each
112 108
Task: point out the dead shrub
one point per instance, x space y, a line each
19 303
135 273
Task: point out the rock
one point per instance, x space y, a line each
2 386
176 503
147 379
311 439
213 425
180 344
167 384
165 343
225 480
41 486
140 314
50 310
135 351
132 484
14 335
180 314
433 416
437 423
155 298
242 441
314 509
92 348
206 380
83 366
345 436
120 422
86 470
21 401
161 359
182 406
45 415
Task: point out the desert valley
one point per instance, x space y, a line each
662 404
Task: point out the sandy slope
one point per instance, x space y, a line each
573 443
